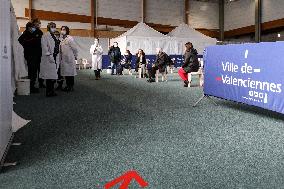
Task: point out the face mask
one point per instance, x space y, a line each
115 45
33 29
52 30
63 32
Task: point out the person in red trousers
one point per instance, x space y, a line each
190 64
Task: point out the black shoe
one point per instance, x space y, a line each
34 90
186 83
66 89
52 94
59 88
42 86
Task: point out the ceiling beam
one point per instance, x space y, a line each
93 16
143 11
258 20
30 9
186 11
221 20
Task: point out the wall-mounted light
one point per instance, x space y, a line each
278 35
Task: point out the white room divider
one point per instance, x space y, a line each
6 101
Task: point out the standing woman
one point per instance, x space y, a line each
96 51
68 54
48 65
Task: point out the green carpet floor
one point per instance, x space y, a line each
104 128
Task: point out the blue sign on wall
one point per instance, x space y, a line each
249 73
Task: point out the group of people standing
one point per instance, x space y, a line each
50 56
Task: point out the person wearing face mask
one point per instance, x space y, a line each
38 35
96 51
69 54
31 54
48 65
115 57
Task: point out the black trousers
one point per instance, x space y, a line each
33 63
69 81
50 86
60 79
33 68
152 72
97 73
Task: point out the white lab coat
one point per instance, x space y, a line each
96 52
68 54
48 68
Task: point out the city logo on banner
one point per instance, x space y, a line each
258 90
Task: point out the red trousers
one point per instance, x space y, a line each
183 75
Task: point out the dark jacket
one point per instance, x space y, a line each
128 58
31 43
191 63
38 35
114 54
161 61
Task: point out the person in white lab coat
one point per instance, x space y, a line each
49 60
69 54
96 51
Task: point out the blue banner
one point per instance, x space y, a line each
248 73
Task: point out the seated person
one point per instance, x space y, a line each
140 62
126 62
160 64
190 64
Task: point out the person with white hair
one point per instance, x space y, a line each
96 51
160 64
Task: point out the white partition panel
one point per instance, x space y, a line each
6 102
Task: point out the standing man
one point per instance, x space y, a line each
115 57
31 53
96 51
38 34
